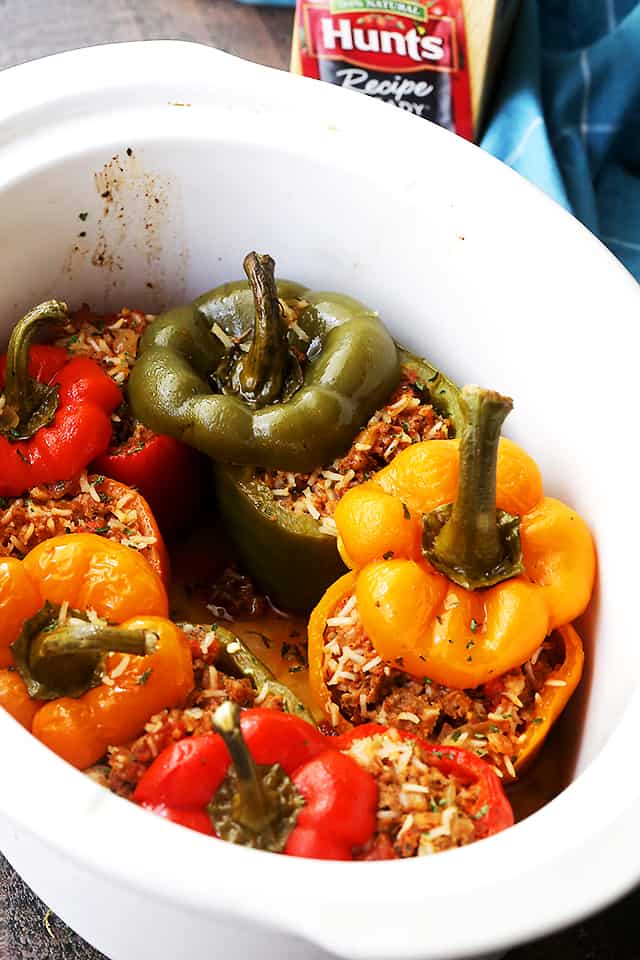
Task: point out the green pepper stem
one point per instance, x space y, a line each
472 542
65 659
261 371
252 807
21 397
471 538
81 636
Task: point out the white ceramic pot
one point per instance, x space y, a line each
466 263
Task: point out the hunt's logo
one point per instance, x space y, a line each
394 42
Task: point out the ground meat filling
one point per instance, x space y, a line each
489 720
81 505
125 765
420 810
407 418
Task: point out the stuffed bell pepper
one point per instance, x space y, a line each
87 654
56 415
85 504
270 781
455 621
55 411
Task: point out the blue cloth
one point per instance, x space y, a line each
567 113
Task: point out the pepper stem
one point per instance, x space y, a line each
65 659
80 636
471 541
251 805
255 806
260 373
29 405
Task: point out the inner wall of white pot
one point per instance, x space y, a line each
451 272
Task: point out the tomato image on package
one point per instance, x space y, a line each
410 55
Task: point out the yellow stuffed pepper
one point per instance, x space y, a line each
466 577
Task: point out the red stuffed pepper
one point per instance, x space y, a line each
55 413
285 790
290 789
171 476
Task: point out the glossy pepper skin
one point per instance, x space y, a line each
460 637
80 730
88 572
83 570
172 477
353 365
339 797
15 699
57 412
288 554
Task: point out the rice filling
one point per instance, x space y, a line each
488 720
407 418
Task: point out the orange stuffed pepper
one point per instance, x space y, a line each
87 651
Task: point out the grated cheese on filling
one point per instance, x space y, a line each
490 721
406 419
420 810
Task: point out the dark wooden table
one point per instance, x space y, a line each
35 28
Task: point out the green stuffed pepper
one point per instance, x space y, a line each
246 379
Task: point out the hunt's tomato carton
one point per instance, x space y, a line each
434 59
